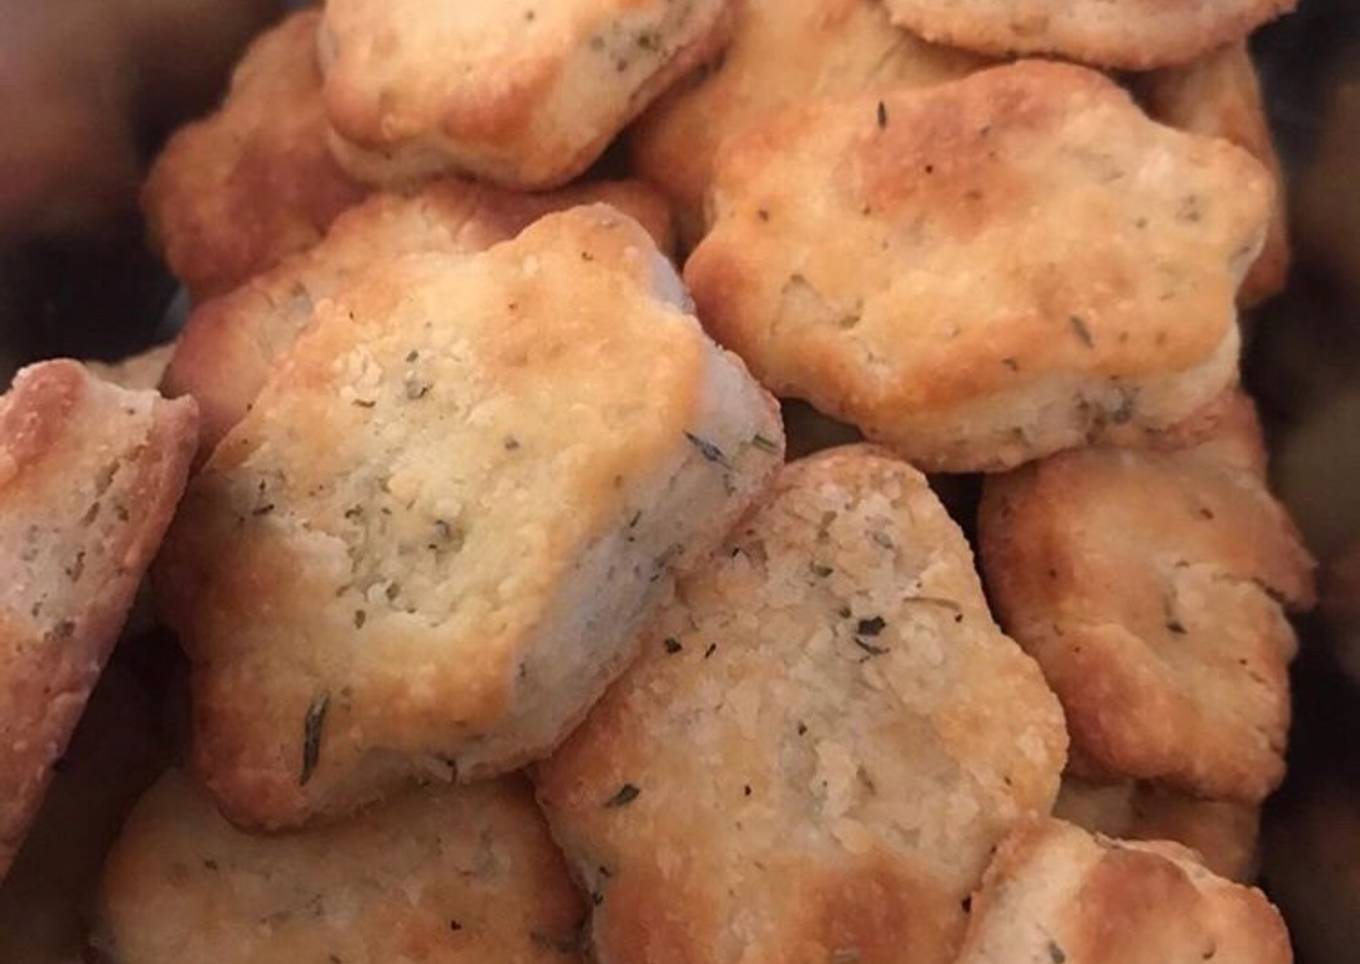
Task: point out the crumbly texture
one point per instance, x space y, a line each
520 93
236 192
143 370
983 272
1128 34
822 741
1056 894
230 344
1151 587
89 477
782 52
1219 95
1222 833
427 549
445 875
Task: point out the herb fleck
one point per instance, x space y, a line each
511 443
311 736
712 648
821 570
360 617
455 926
364 402
1056 953
416 390
708 450
882 539
673 645
764 444
871 627
882 114
1175 626
626 795
1083 333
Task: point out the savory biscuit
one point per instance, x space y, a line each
1219 95
986 271
89 477
442 875
1151 588
1129 34
823 739
522 94
426 550
1056 893
1223 833
236 192
230 343
782 52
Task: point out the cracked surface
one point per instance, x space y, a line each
986 271
1151 588
426 549
823 738
89 477
444 875
1056 894
521 93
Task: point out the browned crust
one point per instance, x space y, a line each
1150 587
985 271
230 343
1130 35
1057 894
795 798
1219 95
487 121
57 421
235 192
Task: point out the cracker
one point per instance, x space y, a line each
984 272
822 741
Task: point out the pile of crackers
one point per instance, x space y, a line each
672 482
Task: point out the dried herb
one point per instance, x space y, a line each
637 517
673 646
764 444
265 509
1055 953
746 790
882 539
312 724
1176 626
416 390
882 114
364 403
802 728
1011 363
412 355
626 795
1083 333
360 617
712 648
511 443
871 627
455 926
820 570
708 450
